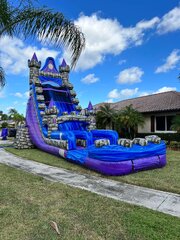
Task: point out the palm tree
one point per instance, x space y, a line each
129 119
18 118
31 22
4 116
12 112
15 116
105 117
176 123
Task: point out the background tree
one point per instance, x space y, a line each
176 123
15 116
12 112
31 22
4 125
129 119
18 118
4 117
105 117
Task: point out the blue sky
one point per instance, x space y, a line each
132 49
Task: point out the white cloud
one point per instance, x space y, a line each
113 94
90 78
15 102
124 93
130 75
129 92
18 94
14 54
160 90
110 100
142 94
2 94
21 95
165 89
116 94
26 94
107 36
148 24
122 61
171 61
170 22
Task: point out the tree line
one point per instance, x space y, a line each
125 121
13 115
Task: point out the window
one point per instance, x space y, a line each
163 123
169 122
160 123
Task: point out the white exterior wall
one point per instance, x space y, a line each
147 125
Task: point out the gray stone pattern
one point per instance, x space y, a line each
22 140
50 115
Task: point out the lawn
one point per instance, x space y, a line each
29 203
166 179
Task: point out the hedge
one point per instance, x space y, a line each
174 144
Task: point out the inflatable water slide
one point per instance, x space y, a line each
56 125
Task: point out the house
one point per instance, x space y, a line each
157 109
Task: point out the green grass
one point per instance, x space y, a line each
166 179
28 203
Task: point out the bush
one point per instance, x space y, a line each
174 145
164 136
4 125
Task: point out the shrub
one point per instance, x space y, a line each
174 145
4 125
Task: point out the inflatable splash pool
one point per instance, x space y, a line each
56 125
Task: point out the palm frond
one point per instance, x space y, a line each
6 18
13 111
2 77
48 26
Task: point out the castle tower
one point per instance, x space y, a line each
90 112
34 66
64 69
90 107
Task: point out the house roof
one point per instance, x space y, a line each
166 101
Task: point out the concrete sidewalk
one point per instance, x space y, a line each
157 200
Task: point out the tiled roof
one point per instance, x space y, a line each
166 101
